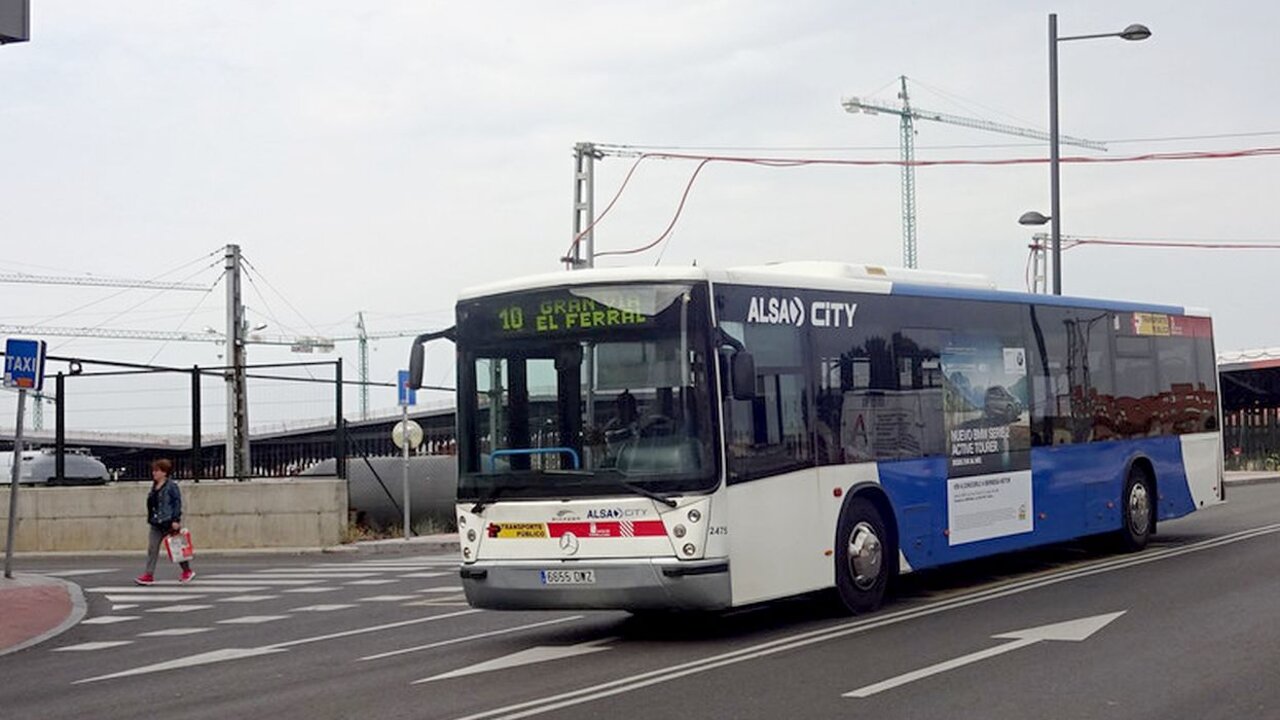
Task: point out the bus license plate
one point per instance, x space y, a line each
568 577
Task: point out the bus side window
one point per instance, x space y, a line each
771 433
1072 399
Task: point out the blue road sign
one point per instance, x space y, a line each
405 395
24 364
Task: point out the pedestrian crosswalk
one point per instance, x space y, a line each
221 599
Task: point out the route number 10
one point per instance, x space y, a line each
512 317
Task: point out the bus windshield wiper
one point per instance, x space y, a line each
487 499
647 493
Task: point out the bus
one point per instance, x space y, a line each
696 439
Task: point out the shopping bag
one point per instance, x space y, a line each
179 546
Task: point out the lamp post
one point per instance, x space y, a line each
1133 32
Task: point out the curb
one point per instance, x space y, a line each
424 544
78 610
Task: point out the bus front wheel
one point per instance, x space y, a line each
1137 511
863 554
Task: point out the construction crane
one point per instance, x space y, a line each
907 148
363 336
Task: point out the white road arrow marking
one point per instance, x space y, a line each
543 653
191 661
225 654
1070 631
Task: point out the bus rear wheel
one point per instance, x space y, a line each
863 555
1138 507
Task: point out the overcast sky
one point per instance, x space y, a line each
381 156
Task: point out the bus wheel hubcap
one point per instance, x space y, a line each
1139 509
865 555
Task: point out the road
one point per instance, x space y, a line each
1189 628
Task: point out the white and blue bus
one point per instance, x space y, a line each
683 438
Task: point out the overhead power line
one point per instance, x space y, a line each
636 149
91 281
322 344
704 160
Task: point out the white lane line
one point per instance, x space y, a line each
152 598
99 645
264 577
252 619
323 608
469 638
125 606
239 653
370 582
231 582
388 598
450 601
248 598
175 632
175 588
72 573
611 688
384 566
311 589
425 575
446 589
309 572
109 619
179 608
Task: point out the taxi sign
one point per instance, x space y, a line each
24 364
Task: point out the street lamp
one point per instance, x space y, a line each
1133 32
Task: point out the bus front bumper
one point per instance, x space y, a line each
630 584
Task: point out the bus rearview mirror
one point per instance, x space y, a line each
416 362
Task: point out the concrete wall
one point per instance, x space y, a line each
222 514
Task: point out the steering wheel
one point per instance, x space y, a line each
656 426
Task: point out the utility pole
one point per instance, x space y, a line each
1039 260
237 390
585 155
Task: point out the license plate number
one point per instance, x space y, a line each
568 577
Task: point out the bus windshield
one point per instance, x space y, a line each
583 391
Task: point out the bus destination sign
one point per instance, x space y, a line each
547 315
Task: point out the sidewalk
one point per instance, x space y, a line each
34 608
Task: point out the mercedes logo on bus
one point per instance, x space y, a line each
569 543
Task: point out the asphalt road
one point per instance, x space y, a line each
1189 628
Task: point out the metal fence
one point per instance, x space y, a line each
1252 439
129 415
